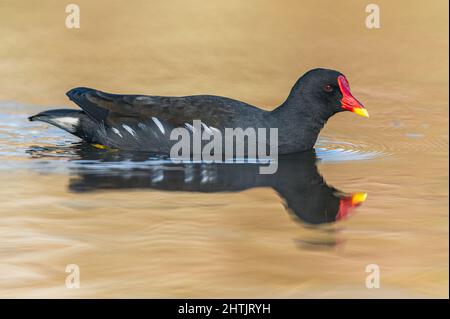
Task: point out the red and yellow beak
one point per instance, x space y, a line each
348 204
349 103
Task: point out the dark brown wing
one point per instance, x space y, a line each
176 111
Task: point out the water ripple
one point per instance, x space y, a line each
30 140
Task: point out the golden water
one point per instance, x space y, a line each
147 242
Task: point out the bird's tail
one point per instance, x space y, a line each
66 119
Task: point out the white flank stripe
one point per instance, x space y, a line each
116 131
129 130
158 124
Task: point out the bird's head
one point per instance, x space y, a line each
327 92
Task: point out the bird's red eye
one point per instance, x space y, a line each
328 88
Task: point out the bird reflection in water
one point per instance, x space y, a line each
297 180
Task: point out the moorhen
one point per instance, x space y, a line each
144 123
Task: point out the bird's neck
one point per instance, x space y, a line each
298 124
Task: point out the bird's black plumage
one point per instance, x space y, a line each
144 123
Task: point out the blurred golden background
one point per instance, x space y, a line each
157 244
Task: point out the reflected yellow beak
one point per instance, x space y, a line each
360 111
348 203
358 198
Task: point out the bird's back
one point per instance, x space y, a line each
143 122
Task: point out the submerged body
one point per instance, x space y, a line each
144 123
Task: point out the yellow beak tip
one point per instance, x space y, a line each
361 112
359 198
